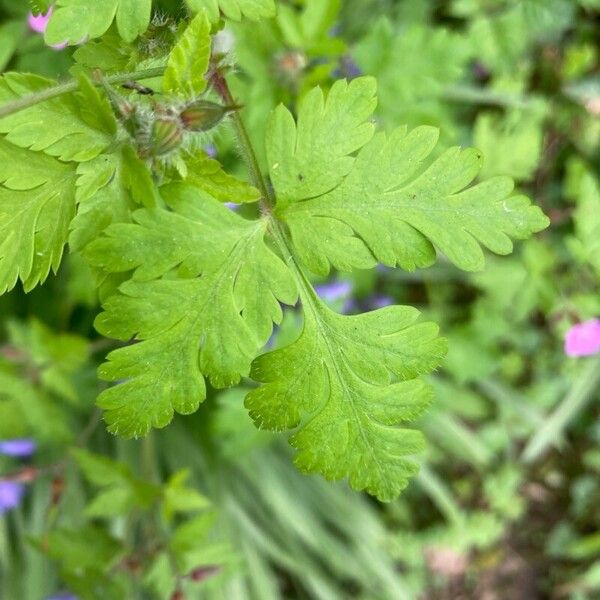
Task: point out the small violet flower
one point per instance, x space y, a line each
62 596
20 448
334 291
583 339
39 24
347 68
11 493
211 150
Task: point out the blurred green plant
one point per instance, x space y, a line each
504 502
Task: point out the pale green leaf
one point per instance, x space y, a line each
234 9
511 145
393 207
413 68
77 20
210 325
312 158
120 491
344 385
11 34
108 188
208 174
72 126
586 243
34 215
188 61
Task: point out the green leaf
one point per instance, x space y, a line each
413 69
234 9
191 326
108 188
31 410
37 203
391 207
313 157
11 34
208 174
56 356
77 20
586 243
193 545
82 124
179 498
120 490
344 385
88 548
511 145
188 61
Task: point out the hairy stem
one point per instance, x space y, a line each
307 293
220 85
72 86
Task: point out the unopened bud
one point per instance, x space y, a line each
202 115
166 135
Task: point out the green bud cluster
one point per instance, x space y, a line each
160 129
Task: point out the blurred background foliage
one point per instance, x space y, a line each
505 505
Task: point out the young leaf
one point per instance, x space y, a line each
210 325
208 174
234 9
390 208
188 61
35 212
77 20
71 127
345 384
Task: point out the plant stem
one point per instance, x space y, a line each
280 236
72 86
222 88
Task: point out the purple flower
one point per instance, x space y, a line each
232 205
62 596
11 493
347 68
18 447
583 339
336 290
211 150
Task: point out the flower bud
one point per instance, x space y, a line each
166 135
202 115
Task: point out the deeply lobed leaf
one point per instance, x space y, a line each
71 127
37 203
188 61
210 321
392 207
344 385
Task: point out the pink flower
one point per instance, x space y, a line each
40 22
583 339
